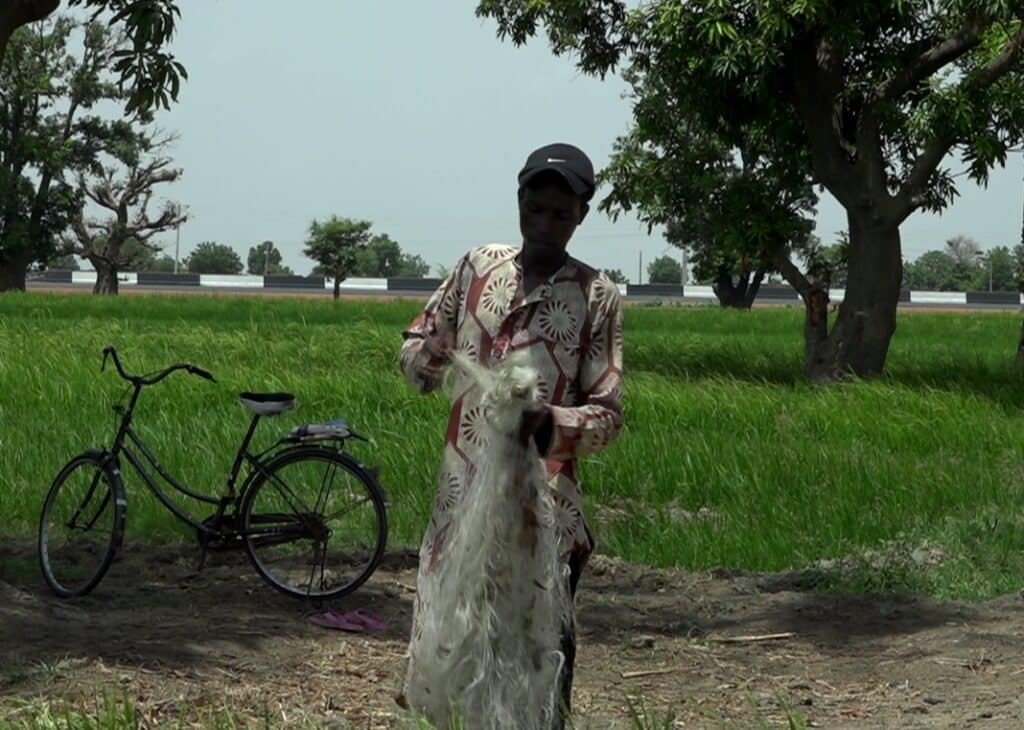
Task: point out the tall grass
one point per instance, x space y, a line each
718 417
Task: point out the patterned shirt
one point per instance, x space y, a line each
572 326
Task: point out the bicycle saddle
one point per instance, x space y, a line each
268 404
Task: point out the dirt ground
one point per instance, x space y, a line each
721 649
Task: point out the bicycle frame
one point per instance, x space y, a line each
126 438
295 513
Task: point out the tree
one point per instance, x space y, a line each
336 245
48 136
868 98
265 260
964 250
122 241
383 257
413 266
615 275
735 211
68 262
831 261
164 264
151 76
664 270
213 258
999 270
935 271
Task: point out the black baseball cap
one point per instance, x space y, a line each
568 161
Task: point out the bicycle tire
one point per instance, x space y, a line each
273 518
100 506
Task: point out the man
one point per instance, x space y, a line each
500 299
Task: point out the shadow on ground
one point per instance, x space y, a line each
150 609
619 601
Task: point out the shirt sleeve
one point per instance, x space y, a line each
591 426
437 321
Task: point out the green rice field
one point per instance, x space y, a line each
912 482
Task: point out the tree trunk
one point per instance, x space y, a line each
106 278
337 287
755 286
819 348
12 276
739 295
731 295
16 13
1020 346
859 340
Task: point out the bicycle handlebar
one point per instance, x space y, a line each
111 351
196 370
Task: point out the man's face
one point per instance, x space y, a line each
548 216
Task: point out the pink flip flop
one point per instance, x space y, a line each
367 619
335 620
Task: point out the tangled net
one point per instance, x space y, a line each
496 604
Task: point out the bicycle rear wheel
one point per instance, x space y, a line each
81 525
314 523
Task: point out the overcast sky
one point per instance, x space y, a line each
414 116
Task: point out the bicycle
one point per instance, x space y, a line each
289 539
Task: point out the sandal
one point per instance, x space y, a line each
365 618
335 620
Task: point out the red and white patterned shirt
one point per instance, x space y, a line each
572 326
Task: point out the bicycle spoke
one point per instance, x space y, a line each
102 507
347 509
326 551
309 585
323 566
79 523
85 500
291 497
325 488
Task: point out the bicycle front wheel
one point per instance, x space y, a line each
314 523
81 525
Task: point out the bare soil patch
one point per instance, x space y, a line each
720 648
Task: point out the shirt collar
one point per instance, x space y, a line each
566 270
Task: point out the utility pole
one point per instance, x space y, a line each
640 269
177 245
986 257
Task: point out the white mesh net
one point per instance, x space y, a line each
496 603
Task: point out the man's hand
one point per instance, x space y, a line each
431 372
538 424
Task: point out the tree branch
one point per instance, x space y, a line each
142 179
816 84
911 193
1000 65
102 195
934 59
83 242
870 156
791 273
16 13
171 216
